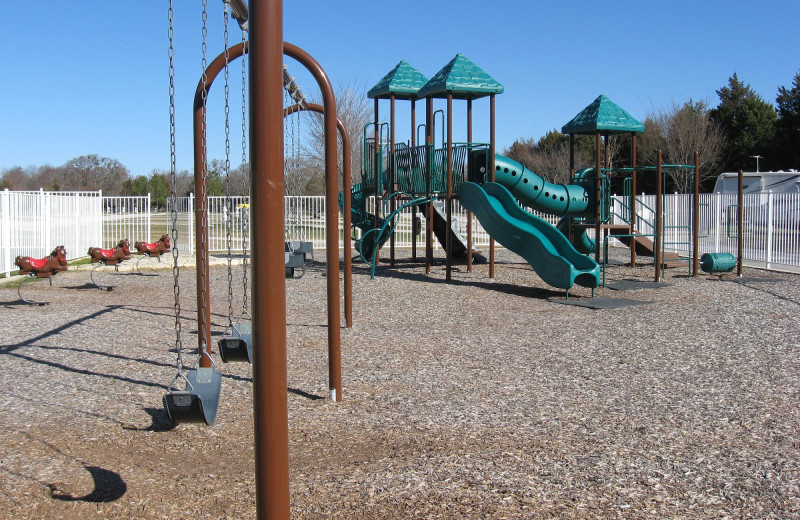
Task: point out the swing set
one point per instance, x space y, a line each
193 395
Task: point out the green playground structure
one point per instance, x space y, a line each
497 189
541 244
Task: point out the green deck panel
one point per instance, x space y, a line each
604 116
404 81
463 79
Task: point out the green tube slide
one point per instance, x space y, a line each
544 247
569 200
535 192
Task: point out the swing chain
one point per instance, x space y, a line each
245 182
228 200
173 181
202 247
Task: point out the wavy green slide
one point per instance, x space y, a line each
544 247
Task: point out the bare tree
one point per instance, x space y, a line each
354 110
549 157
91 172
679 131
14 179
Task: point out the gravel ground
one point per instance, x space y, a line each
478 398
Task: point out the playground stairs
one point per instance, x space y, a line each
643 245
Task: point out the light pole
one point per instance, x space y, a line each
757 157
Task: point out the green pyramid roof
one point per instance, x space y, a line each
463 79
404 81
605 116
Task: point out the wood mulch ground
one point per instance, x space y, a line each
477 398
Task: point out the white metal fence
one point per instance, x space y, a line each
33 223
771 227
126 217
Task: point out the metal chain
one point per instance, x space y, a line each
288 172
228 200
245 182
287 165
202 247
296 158
173 181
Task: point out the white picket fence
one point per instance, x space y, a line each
34 223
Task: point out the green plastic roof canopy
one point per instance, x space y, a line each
404 81
463 79
604 116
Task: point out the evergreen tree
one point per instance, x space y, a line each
787 138
748 125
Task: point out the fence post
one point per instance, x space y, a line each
190 218
148 225
5 232
770 228
45 220
102 219
715 204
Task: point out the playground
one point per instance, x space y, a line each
548 374
474 398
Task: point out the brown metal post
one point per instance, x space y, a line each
571 155
449 241
740 223
469 213
348 224
428 167
696 216
413 208
492 120
570 227
391 172
634 226
201 229
378 174
347 210
659 218
598 225
269 286
331 218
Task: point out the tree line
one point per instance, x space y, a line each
92 173
741 126
727 137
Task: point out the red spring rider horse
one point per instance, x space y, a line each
41 268
152 250
111 256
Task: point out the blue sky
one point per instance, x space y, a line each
90 77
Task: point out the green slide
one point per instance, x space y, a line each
571 201
533 191
544 247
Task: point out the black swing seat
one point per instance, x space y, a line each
302 247
294 261
198 402
238 346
